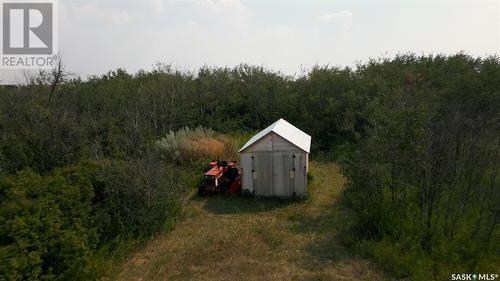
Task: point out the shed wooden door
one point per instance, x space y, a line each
262 177
283 173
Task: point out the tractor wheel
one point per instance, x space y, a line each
201 190
223 188
246 193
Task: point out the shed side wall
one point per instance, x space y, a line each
246 172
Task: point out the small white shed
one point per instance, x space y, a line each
275 161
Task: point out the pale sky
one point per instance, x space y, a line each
286 36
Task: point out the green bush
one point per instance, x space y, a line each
51 226
46 227
134 197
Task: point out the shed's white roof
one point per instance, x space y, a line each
286 131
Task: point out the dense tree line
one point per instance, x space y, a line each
116 115
418 136
423 182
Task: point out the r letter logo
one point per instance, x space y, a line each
28 31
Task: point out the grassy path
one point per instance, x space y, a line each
233 238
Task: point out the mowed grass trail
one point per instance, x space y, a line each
235 238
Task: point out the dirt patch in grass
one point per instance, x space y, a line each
236 238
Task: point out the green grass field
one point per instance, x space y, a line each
236 238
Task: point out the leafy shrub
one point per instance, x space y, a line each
46 227
52 225
137 196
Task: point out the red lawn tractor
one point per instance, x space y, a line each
222 178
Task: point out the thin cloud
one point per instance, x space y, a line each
336 16
342 18
158 6
120 17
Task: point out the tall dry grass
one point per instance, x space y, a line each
199 144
